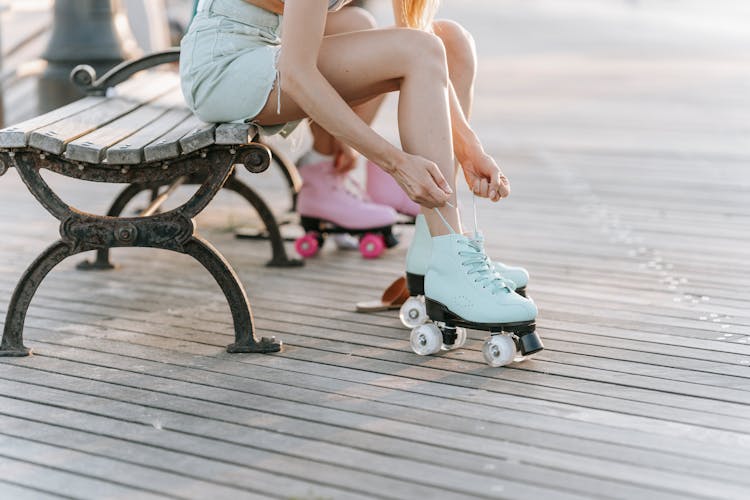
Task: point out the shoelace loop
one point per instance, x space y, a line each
479 265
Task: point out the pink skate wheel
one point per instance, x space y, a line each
307 246
371 246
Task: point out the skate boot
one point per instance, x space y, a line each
413 312
383 189
327 207
462 291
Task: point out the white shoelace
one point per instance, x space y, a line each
476 260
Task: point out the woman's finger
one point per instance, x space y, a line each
495 189
439 180
484 188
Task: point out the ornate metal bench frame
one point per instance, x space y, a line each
211 167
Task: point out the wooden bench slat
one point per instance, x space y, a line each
130 151
168 146
17 136
235 133
93 147
53 138
198 137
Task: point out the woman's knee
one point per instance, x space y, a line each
426 52
459 43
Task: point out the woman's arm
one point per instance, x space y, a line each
304 26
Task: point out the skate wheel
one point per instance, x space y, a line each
460 338
499 350
307 246
426 339
413 313
371 245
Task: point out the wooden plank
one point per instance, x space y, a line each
231 478
130 151
168 146
235 133
148 481
17 136
92 147
11 490
197 138
54 138
430 404
451 483
58 482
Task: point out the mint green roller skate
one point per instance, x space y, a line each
462 290
413 312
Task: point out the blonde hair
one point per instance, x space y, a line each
419 13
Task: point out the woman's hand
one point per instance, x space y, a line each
344 157
483 175
422 181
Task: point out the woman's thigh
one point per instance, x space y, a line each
349 19
363 65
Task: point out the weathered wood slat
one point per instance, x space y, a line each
530 428
230 478
198 137
130 151
63 483
450 481
55 137
17 136
92 147
235 133
168 146
17 492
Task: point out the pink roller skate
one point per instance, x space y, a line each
383 189
327 207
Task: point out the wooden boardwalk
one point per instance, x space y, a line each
631 209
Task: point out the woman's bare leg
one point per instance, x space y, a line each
367 64
462 60
346 20
461 53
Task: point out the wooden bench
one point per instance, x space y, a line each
142 134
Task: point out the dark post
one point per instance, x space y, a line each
83 32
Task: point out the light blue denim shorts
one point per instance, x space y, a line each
228 61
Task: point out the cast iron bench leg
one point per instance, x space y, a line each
280 257
173 230
102 261
217 265
290 173
12 344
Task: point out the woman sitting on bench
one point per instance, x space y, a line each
236 65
